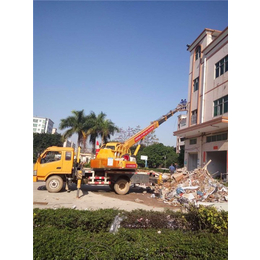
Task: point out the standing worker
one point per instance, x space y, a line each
171 169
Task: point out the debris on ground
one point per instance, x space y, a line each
116 223
189 187
40 203
139 201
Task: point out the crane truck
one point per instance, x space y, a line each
114 164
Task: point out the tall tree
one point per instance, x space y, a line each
158 155
108 128
43 141
89 124
125 134
101 127
129 132
96 127
77 124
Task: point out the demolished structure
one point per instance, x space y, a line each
185 187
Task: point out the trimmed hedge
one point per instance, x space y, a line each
202 218
74 234
64 218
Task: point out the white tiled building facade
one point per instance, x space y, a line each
42 125
205 132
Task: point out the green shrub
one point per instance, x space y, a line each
54 243
87 165
208 218
202 218
74 234
63 218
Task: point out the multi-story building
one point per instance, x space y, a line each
69 143
54 131
205 132
182 119
42 125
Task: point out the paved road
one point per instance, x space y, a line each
91 198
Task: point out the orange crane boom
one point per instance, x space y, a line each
116 155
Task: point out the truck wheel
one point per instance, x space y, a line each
54 184
121 187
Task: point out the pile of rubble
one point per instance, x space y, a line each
185 187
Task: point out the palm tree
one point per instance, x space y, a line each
101 128
96 128
108 128
89 124
77 124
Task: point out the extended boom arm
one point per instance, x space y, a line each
115 155
143 133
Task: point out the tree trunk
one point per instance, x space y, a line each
94 146
79 137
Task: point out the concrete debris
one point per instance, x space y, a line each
188 187
178 176
188 196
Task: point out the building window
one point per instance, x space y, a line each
221 67
196 84
218 137
193 141
221 106
194 117
183 122
197 53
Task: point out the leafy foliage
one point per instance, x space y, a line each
85 126
101 127
209 218
43 141
181 157
159 155
78 123
72 219
73 234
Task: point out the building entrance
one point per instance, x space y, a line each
218 162
192 161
